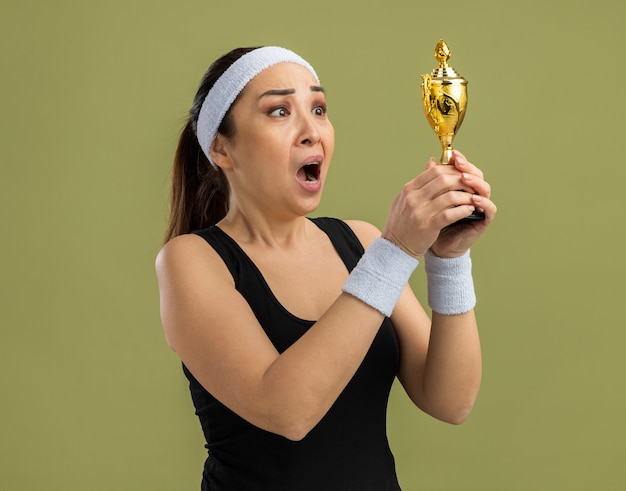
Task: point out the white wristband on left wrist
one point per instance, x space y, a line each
450 284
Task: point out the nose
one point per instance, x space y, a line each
309 133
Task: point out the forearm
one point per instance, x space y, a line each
453 367
301 385
441 369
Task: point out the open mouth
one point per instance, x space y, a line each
309 172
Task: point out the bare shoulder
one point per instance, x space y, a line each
192 280
178 248
365 231
187 253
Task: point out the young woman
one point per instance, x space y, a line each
289 333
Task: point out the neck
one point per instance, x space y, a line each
265 231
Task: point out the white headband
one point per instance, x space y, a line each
232 82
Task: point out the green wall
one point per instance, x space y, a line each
93 95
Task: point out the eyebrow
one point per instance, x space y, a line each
314 88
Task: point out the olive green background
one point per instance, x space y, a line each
93 95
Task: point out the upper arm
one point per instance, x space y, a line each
211 326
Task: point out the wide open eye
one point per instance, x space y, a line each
279 112
319 110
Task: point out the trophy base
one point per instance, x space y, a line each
477 215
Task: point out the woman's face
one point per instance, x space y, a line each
283 142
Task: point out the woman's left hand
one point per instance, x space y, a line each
456 239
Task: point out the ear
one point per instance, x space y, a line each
219 152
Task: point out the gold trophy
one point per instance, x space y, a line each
444 97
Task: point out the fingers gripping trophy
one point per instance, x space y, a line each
444 97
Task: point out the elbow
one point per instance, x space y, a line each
296 434
455 415
294 424
455 408
289 424
458 417
294 418
294 431
447 411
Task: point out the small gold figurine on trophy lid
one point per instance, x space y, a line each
444 97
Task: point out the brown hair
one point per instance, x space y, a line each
199 194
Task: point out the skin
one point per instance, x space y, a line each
211 327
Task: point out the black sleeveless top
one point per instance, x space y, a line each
348 449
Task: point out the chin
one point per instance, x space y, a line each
310 206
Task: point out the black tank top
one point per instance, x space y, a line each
348 449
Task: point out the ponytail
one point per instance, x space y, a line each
200 194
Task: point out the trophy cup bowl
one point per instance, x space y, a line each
444 98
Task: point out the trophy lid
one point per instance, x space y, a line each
444 71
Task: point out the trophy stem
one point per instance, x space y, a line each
446 146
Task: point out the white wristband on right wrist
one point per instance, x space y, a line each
450 284
380 275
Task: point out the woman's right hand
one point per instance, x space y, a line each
435 199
